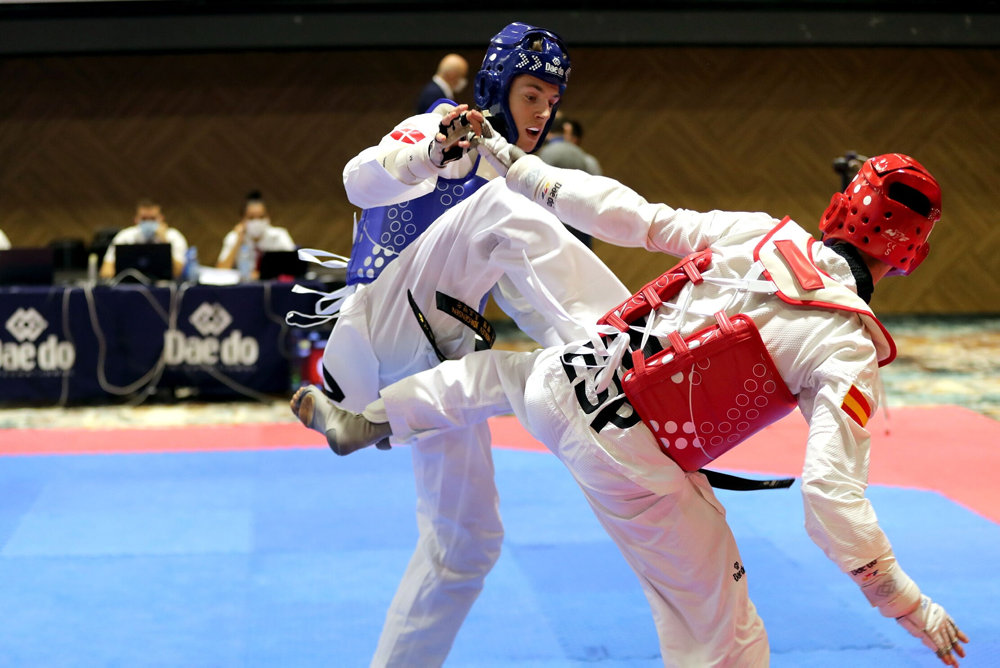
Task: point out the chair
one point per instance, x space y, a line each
102 239
68 254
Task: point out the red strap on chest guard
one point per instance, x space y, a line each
706 394
662 289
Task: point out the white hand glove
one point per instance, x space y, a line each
496 150
932 625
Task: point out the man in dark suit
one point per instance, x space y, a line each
449 79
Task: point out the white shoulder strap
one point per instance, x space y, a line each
313 255
328 305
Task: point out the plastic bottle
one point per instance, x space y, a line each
92 269
191 266
245 261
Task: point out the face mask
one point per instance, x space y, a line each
148 227
255 227
460 86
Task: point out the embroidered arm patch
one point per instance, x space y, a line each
407 134
857 406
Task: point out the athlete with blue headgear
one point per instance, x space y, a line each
435 240
416 172
520 49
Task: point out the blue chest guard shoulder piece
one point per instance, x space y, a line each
384 231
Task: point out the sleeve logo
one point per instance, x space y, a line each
857 406
549 193
407 135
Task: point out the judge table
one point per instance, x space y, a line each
65 344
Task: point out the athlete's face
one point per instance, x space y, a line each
531 102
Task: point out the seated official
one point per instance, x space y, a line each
149 227
256 232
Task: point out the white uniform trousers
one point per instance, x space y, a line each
458 516
460 534
675 539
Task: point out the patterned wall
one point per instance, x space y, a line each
82 138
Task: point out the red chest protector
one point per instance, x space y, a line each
707 393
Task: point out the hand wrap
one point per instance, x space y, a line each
533 178
887 586
932 625
895 594
496 150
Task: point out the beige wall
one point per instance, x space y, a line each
82 138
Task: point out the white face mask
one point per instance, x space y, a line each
255 227
148 227
460 86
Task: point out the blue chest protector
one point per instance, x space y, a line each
384 231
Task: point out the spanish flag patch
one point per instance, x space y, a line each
857 406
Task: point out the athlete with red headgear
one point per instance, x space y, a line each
759 318
435 240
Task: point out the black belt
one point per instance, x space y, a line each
486 336
739 484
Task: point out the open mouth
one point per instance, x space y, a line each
531 135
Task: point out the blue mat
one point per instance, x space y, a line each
290 558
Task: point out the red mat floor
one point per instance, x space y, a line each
947 449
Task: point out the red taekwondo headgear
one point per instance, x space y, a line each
887 211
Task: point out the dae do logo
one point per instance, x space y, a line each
211 320
29 353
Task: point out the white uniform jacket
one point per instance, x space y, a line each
488 240
369 184
827 357
484 243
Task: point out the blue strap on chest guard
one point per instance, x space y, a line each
384 231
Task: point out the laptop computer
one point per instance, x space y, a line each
27 266
151 260
274 264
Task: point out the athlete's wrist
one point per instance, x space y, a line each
887 586
527 177
411 164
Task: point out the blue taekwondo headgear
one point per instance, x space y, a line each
509 55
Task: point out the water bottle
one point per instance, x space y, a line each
92 269
245 262
191 267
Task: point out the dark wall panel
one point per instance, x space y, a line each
83 137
